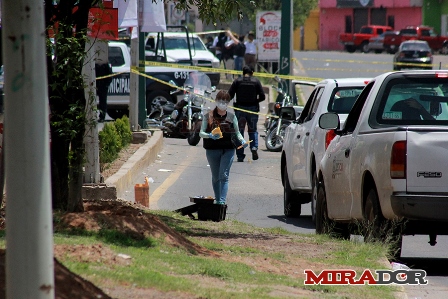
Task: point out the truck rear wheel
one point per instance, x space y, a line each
325 225
292 207
364 47
379 229
350 49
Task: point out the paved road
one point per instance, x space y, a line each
255 194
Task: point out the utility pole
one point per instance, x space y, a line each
141 82
137 110
286 41
91 140
29 227
134 82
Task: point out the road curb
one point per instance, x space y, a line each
124 179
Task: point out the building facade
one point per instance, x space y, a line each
347 16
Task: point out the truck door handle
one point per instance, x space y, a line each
347 153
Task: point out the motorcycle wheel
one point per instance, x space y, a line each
272 141
193 137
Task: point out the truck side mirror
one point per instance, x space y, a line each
288 113
329 121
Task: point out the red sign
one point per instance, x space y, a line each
103 23
270 46
270 33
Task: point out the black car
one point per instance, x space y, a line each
413 54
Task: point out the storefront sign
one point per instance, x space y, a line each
268 35
354 3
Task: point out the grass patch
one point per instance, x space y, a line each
252 261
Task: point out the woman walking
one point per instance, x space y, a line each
220 137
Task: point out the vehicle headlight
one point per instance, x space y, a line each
198 101
215 64
174 114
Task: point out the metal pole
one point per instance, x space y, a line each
141 82
285 41
29 228
91 140
133 94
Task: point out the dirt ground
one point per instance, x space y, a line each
130 218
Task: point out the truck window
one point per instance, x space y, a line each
419 101
355 112
342 99
366 30
116 56
425 32
315 104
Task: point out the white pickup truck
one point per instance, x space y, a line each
305 143
119 89
384 169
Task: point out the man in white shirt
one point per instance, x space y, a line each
250 57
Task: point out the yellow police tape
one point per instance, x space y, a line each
225 71
135 70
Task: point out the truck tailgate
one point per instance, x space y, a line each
427 160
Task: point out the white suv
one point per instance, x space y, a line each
305 143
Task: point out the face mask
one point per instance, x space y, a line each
222 105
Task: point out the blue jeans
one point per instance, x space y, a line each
220 161
239 63
251 120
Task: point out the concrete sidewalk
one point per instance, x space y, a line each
124 179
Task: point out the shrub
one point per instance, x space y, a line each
113 138
110 143
124 130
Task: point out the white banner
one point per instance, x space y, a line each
268 35
153 16
127 13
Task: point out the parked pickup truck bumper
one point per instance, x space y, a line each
420 206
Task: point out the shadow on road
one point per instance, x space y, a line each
302 221
432 266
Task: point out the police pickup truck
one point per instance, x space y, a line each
119 89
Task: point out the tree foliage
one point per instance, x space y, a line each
212 11
301 9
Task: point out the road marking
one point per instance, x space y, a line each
169 181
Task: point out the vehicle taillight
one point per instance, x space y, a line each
441 75
398 160
328 137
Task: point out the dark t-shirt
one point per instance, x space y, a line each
240 50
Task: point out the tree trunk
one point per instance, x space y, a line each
74 203
59 171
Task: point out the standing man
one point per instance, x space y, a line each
102 87
239 50
218 44
249 93
250 57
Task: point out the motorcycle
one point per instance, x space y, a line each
276 125
185 120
